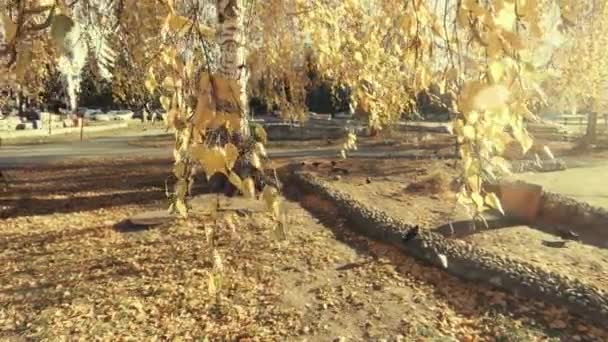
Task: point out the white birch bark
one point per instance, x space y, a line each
231 39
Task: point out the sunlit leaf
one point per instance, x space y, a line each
212 160
165 102
491 97
227 92
8 27
270 195
255 161
492 200
478 200
468 132
260 149
231 154
235 180
358 57
506 16
260 133
150 84
176 24
211 285
248 188
496 71
181 208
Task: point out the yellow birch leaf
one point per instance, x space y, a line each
472 117
523 7
502 164
492 200
172 118
526 141
232 121
165 102
207 31
235 180
171 5
171 83
150 84
270 195
228 95
491 97
212 160
463 199
505 18
205 112
514 40
260 149
168 55
176 23
548 152
255 161
478 200
496 71
473 183
494 46
181 207
260 132
248 188
8 27
231 153
211 288
358 57
468 132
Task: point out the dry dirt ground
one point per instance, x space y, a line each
421 192
70 270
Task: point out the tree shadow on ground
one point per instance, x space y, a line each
462 229
95 186
145 221
34 207
378 168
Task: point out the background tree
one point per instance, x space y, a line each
581 65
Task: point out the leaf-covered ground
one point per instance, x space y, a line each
68 272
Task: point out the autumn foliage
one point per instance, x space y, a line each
202 59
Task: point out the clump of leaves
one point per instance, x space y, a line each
504 329
435 183
205 110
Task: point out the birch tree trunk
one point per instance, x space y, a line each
232 41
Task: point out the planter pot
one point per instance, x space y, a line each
521 200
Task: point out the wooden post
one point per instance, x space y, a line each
591 135
81 120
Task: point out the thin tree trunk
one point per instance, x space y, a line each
20 102
591 136
231 35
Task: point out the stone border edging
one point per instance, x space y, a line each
571 211
464 260
520 166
